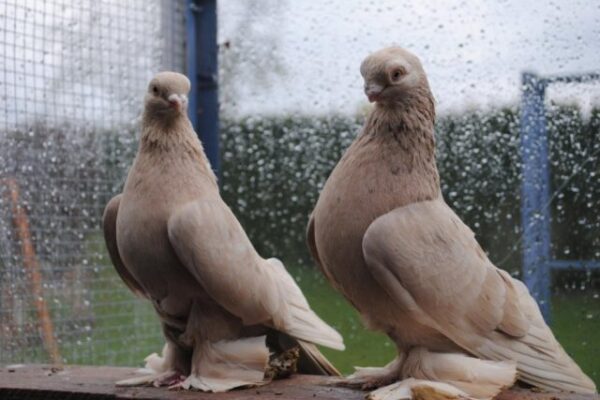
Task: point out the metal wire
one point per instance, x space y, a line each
72 78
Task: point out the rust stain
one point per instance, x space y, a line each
32 266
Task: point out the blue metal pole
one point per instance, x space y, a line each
191 61
202 69
535 192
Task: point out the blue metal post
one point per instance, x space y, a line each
192 60
201 21
535 192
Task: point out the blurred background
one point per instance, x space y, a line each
73 75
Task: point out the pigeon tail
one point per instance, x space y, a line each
301 321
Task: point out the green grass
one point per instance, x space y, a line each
576 324
125 331
363 347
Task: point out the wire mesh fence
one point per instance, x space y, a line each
72 77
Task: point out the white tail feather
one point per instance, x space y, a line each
541 360
312 352
555 373
301 322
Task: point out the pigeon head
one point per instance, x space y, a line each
392 74
167 94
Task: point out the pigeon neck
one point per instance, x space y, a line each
161 141
409 119
412 113
164 132
405 131
170 135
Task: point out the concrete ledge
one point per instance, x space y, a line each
91 383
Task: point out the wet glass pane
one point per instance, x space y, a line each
72 78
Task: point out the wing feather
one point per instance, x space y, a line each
109 224
213 246
428 260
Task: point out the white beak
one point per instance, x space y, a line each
372 91
178 100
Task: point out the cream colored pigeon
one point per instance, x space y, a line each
383 236
174 241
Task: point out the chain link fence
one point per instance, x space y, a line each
72 78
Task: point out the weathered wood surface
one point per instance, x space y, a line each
81 382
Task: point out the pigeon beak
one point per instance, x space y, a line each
373 90
178 101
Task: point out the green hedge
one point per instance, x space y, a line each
273 169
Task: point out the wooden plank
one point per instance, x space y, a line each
98 382
83 382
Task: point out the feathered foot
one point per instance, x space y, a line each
370 378
480 379
157 371
167 378
226 365
433 376
417 389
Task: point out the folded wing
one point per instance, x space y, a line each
213 246
428 260
109 224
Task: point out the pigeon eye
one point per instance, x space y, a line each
396 75
155 89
